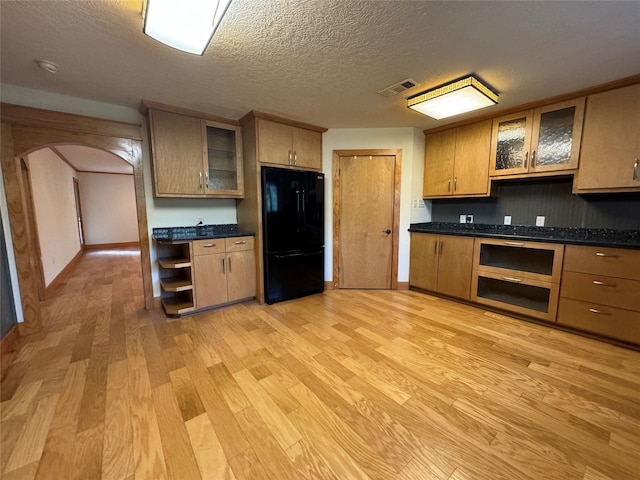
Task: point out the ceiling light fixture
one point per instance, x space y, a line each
453 98
186 25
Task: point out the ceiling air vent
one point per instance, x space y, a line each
398 87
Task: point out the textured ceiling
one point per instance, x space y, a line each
322 61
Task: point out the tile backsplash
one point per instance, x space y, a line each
524 200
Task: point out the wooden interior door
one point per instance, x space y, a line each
366 222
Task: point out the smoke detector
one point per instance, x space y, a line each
396 88
47 66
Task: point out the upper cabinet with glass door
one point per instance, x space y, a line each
194 157
223 159
546 139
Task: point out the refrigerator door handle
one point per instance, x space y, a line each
297 211
304 212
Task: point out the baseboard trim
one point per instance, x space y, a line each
403 285
62 276
104 246
329 285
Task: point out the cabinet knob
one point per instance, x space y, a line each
635 170
526 159
533 158
514 244
241 242
207 245
387 231
602 284
598 312
512 279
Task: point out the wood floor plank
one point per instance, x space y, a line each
117 454
31 442
247 466
212 462
148 456
186 394
178 454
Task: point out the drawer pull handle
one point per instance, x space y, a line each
241 242
599 312
208 245
600 254
512 279
514 244
602 284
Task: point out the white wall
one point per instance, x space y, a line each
55 210
411 142
108 204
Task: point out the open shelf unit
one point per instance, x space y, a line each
522 277
176 283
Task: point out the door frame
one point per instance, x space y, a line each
397 153
26 129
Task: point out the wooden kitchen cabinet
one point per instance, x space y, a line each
224 270
288 145
600 291
457 161
441 263
520 276
610 143
194 157
546 139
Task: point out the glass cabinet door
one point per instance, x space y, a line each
223 159
510 144
556 136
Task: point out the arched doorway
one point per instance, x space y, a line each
26 129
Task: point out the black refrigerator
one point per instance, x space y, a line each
293 232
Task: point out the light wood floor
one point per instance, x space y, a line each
344 385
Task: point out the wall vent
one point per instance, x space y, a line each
398 87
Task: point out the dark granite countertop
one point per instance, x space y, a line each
599 237
199 232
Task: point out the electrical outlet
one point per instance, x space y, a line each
469 219
540 221
507 219
463 218
415 203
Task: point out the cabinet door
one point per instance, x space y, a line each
439 150
555 142
241 275
210 279
307 148
222 152
510 140
177 154
471 166
455 265
610 142
423 262
274 143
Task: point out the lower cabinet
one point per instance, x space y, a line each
601 291
224 270
441 263
523 277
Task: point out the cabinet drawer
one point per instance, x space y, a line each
604 320
618 292
238 244
206 247
612 262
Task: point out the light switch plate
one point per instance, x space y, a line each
507 219
469 218
463 219
540 221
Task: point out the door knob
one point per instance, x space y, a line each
387 231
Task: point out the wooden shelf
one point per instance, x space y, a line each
176 284
174 262
177 305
